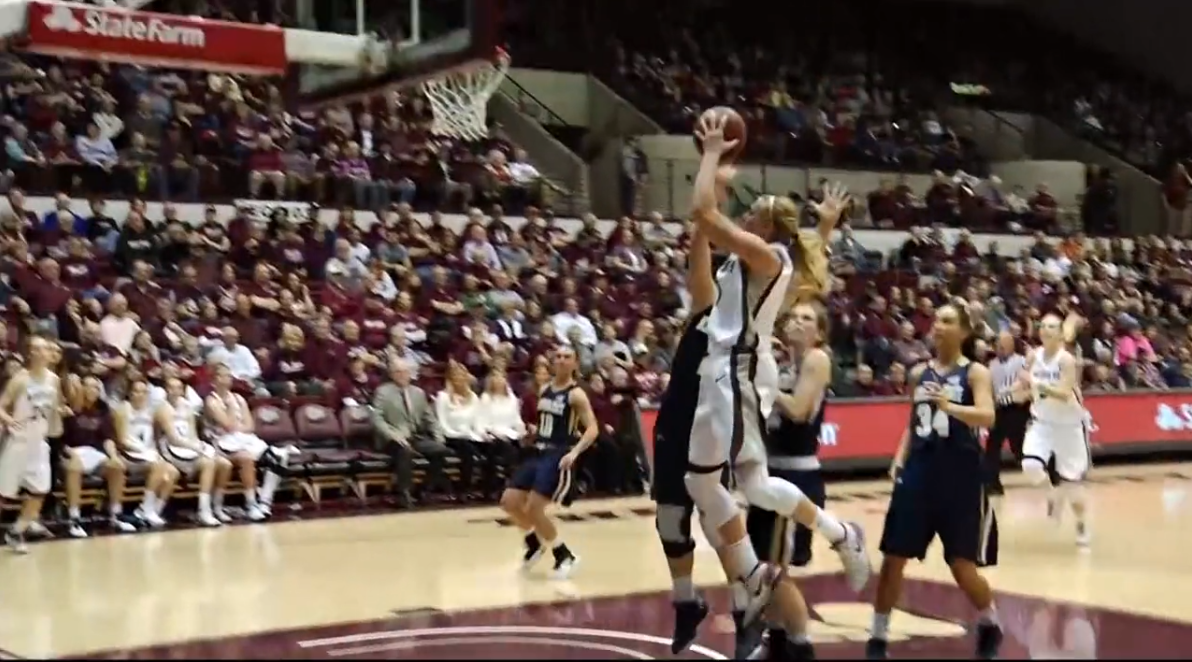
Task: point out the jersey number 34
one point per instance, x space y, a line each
928 419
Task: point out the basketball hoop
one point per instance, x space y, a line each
459 98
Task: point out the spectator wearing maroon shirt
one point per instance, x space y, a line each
324 353
265 165
287 374
441 298
1175 197
942 204
965 251
142 293
336 298
862 386
43 289
356 381
1044 209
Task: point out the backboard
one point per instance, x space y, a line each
426 37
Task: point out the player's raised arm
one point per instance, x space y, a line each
836 200
720 230
814 377
981 413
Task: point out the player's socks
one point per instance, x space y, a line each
830 527
15 539
269 485
881 626
688 616
683 590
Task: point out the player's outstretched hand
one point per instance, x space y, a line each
836 200
711 134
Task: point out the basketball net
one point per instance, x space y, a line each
459 98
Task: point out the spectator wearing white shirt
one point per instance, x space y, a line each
346 263
239 359
97 152
118 328
571 317
498 419
109 122
478 249
455 411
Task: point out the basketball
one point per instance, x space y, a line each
734 129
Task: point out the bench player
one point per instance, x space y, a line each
30 405
191 457
566 428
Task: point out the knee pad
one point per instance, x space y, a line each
673 524
1035 470
715 504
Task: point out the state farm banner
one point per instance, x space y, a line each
860 429
121 35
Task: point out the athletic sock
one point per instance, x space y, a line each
74 512
744 564
20 526
217 499
250 498
881 626
204 503
269 487
830 527
115 510
684 590
798 637
988 615
160 508
149 503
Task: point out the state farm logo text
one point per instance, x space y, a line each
123 25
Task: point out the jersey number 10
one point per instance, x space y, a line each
928 418
546 425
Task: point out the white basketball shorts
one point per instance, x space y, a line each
236 443
186 460
24 464
730 419
1067 442
91 459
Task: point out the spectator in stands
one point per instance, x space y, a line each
406 429
99 157
240 360
139 168
352 170
500 431
265 166
456 411
478 250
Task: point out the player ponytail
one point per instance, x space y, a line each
806 248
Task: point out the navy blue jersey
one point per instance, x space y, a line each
558 425
794 438
933 429
677 406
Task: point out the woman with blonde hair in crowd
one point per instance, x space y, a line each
455 410
502 431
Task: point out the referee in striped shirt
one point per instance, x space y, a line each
1013 409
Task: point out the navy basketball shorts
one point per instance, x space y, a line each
780 539
941 493
539 472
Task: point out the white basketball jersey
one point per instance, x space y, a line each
183 419
139 426
234 405
1053 410
742 319
33 408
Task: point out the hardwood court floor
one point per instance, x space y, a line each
445 584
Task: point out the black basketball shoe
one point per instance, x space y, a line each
688 616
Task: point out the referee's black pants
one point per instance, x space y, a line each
1009 427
